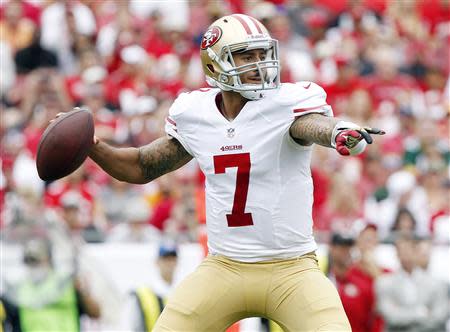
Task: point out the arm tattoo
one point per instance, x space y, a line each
162 156
313 128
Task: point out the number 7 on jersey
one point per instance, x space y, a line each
238 217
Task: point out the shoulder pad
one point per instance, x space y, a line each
180 104
295 93
188 100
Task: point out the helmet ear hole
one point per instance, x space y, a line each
223 78
210 67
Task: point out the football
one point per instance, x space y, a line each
65 144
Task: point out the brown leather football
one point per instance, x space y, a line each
65 144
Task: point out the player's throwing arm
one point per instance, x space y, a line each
140 165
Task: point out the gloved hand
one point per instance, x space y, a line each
352 139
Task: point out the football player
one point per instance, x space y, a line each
252 137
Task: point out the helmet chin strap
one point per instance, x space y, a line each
214 84
252 95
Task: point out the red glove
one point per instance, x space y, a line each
354 141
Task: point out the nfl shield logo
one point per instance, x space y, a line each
230 132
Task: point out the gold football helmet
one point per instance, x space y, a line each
239 33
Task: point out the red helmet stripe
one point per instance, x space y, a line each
255 22
244 24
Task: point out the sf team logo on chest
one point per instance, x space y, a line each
211 37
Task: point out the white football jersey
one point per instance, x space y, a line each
259 190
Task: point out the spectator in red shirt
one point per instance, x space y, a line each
27 9
365 266
43 97
387 84
130 79
338 93
91 71
16 29
162 209
356 294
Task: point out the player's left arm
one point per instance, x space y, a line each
346 137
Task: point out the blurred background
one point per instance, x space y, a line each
381 218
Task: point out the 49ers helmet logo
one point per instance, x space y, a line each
211 37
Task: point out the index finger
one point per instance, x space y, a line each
365 134
375 131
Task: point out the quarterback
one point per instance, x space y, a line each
252 137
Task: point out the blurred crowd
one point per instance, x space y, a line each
382 63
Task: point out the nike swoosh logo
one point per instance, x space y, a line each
307 87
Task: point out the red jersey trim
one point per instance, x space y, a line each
301 110
171 121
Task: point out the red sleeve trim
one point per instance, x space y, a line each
171 121
301 110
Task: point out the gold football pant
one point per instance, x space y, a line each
294 293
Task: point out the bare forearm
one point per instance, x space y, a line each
120 163
313 128
141 165
162 156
